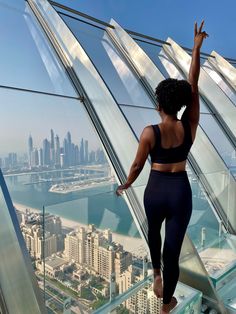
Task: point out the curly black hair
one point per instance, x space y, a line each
172 95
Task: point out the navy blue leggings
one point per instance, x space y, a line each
168 195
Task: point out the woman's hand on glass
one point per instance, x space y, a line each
120 189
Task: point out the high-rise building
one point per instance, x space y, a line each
49 245
46 152
107 234
52 146
92 157
123 260
34 158
52 149
57 150
30 149
69 152
106 256
125 281
81 150
40 155
77 159
12 160
32 232
75 246
86 156
62 160
66 152
72 162
96 251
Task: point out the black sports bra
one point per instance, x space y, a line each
174 154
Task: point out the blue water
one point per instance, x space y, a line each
99 205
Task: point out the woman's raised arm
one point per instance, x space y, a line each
192 111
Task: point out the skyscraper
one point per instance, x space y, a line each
52 140
82 151
46 152
30 149
57 150
12 157
34 158
65 150
69 149
52 149
86 157
76 154
40 154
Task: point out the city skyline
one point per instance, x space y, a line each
53 152
56 152
26 114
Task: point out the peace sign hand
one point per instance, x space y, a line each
199 35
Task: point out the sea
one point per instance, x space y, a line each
98 205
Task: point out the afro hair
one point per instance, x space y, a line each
173 94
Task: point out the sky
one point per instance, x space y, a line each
174 18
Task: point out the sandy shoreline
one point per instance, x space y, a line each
131 244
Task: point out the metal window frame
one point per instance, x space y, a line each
224 67
226 87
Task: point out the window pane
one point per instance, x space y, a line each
221 82
123 84
153 50
52 157
218 139
139 118
15 269
27 60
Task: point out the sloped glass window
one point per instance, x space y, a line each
123 84
27 60
220 81
16 271
52 158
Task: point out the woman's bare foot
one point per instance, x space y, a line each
157 286
166 308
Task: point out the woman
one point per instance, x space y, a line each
168 194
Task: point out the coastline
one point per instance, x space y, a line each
69 188
130 244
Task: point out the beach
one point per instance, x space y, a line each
130 244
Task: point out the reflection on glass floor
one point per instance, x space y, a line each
220 257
